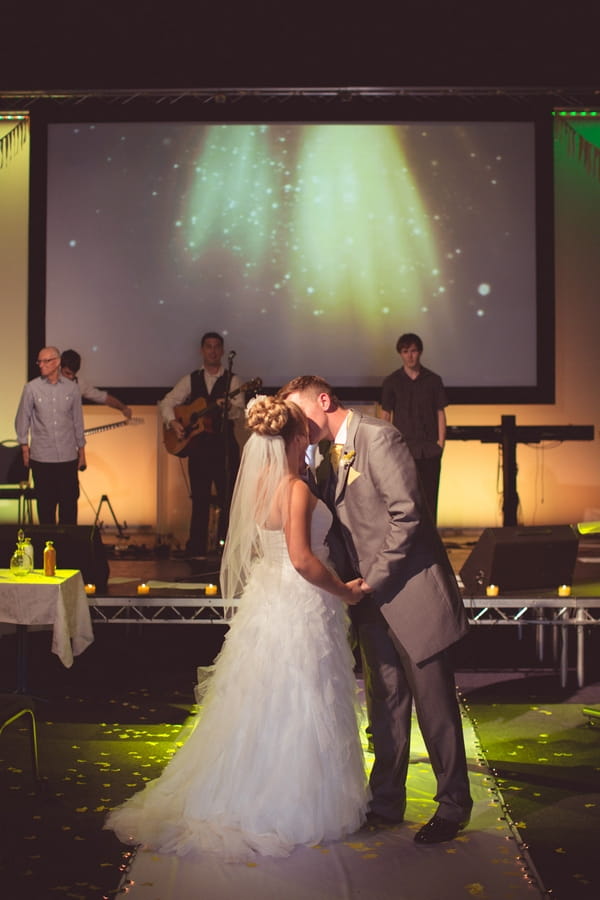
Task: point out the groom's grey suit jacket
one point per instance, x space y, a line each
396 550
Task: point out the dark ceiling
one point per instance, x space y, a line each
137 45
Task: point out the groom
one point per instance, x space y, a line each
412 611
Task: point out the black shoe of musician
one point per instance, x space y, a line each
439 830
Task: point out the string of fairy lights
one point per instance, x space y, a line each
524 859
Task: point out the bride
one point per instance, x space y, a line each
274 759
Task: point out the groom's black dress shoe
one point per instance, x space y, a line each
438 830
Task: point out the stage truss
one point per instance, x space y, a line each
560 614
553 97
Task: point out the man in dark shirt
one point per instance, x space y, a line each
413 398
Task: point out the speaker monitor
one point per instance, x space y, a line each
77 547
521 559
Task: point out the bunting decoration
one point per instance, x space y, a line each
13 141
579 145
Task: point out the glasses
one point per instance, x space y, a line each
43 362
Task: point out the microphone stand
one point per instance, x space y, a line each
225 431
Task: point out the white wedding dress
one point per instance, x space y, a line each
274 759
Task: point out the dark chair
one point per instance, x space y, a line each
12 707
14 480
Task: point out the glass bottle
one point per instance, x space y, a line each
28 550
49 559
20 562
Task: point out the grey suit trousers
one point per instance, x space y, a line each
392 682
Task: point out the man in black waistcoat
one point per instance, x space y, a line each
213 454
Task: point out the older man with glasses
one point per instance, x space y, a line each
49 426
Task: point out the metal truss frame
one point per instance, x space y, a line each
157 611
557 613
564 97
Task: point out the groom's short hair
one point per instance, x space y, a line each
303 384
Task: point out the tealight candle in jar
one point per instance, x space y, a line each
564 590
90 588
492 590
143 588
210 590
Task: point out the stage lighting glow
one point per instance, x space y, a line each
335 236
577 113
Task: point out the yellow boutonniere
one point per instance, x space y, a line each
348 458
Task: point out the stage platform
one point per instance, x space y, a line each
177 595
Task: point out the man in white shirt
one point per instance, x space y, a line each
213 452
49 426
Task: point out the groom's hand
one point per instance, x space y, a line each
355 591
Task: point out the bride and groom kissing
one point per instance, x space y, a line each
412 611
274 759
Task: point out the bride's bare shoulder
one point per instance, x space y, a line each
301 491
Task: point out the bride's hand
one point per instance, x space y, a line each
356 593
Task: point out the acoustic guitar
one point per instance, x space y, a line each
196 417
98 428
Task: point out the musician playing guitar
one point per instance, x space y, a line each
214 445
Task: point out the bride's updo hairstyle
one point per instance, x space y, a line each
274 417
261 496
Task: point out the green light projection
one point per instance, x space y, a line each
309 246
231 198
331 215
360 223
